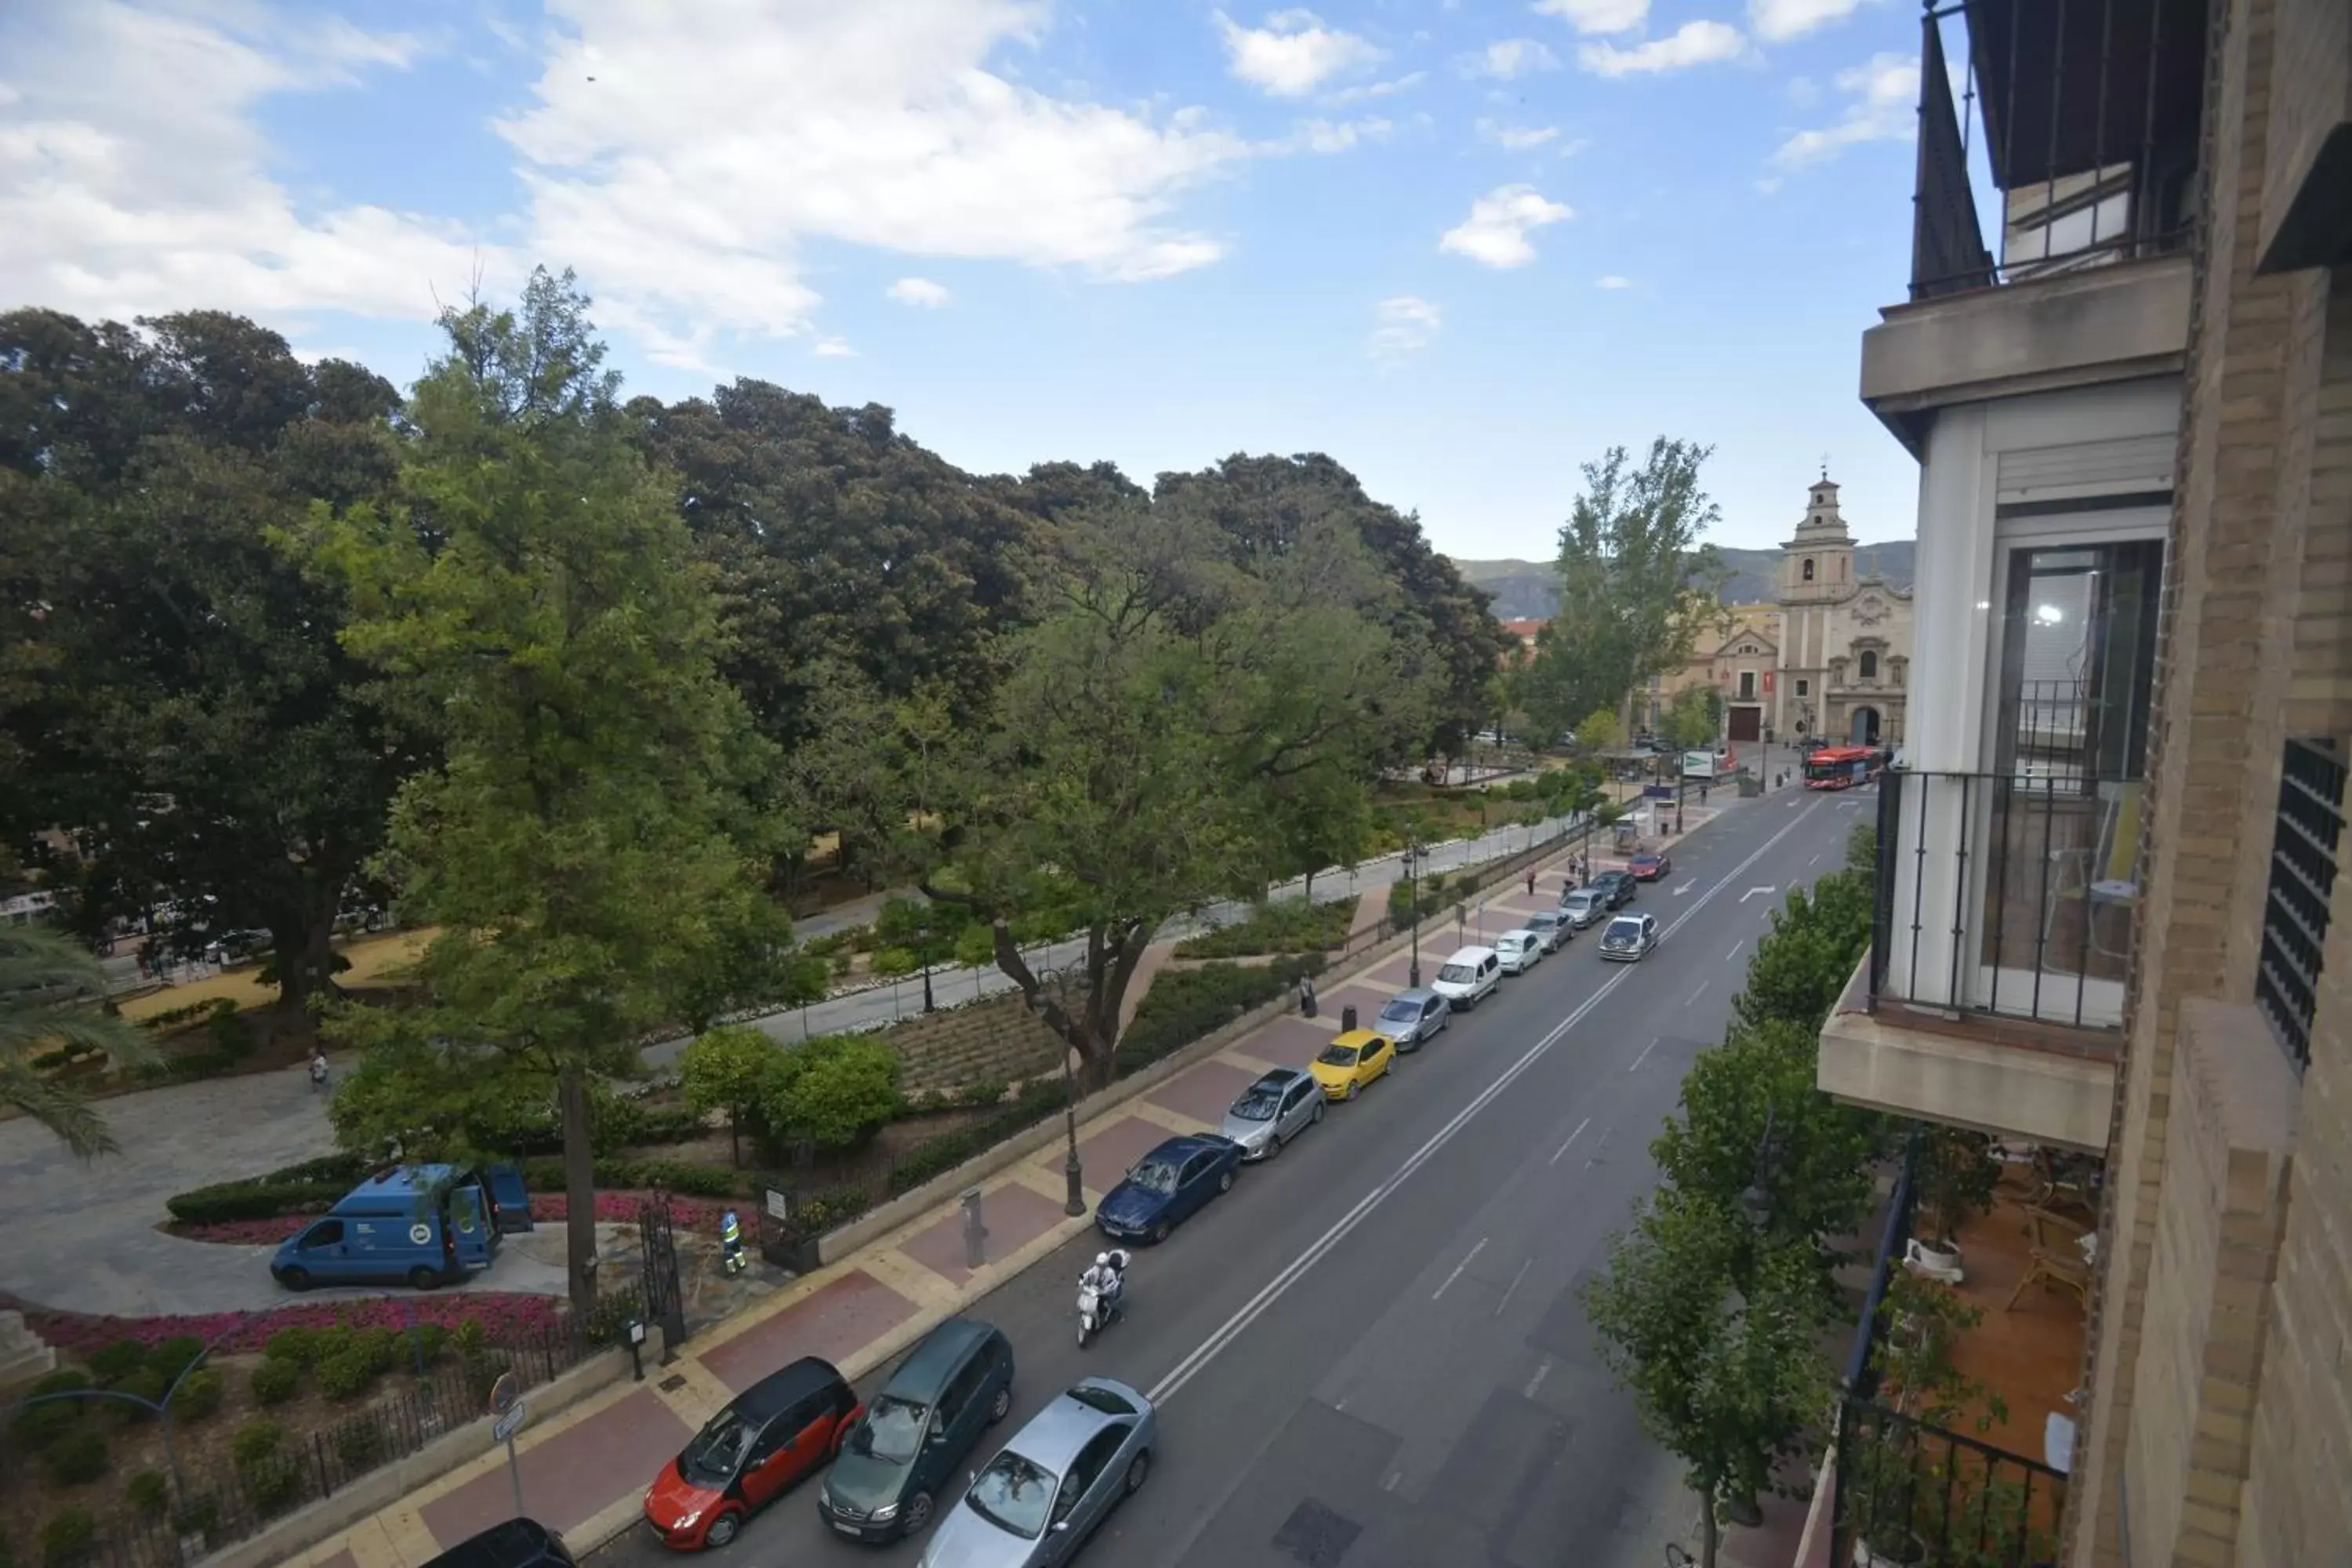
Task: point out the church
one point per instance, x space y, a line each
1831 658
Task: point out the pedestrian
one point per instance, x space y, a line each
145 962
319 1070
1531 883
1307 997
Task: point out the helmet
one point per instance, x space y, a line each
1102 1259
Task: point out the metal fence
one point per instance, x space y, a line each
239 1483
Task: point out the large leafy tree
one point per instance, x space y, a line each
46 984
585 846
1631 554
1694 717
177 698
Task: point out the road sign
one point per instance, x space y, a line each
504 1428
506 1394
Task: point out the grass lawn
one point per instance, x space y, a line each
375 960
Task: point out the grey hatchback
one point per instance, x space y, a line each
1413 1017
1283 1103
1049 1487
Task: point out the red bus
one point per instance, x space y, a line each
1843 767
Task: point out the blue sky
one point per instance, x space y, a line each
1462 248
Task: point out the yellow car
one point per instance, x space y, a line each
1351 1061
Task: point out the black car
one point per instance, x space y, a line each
1619 887
517 1543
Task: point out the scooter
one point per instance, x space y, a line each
1095 1313
731 1259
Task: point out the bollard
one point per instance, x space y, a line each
975 1234
1348 1019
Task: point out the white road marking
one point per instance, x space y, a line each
1273 1290
1536 1381
1767 890
1644 1056
1687 887
1571 1138
1514 1285
1390 1484
1814 861
1458 1267
1697 994
1735 950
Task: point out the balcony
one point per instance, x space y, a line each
2076 126
1993 992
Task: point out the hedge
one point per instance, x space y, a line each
546 1176
1039 1098
1290 926
1184 1005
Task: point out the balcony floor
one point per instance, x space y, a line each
2032 1357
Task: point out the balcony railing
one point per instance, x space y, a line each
2016 895
2078 121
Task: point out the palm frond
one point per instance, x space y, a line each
56 1108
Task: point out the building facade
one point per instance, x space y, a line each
2123 800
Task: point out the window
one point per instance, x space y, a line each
1086 1466
2078 660
325 1233
1804 687
2303 879
1869 665
1809 569
1747 684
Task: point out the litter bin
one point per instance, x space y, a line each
1348 1019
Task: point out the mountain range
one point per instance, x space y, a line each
1528 590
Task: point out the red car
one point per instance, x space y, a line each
773 1436
1649 867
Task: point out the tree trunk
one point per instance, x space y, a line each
1708 1538
579 1192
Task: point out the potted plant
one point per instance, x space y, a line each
1879 1487
1957 1174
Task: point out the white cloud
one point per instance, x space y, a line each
1597 15
919 291
1692 44
1882 96
1803 91
1516 138
132 178
1495 232
1509 58
1334 135
833 348
1404 325
1292 54
1778 21
1612 282
1348 95
1571 148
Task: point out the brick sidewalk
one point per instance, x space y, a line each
585 1470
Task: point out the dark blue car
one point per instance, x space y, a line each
1167 1186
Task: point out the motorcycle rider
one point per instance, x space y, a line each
1107 1278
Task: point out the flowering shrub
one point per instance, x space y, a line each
698 1214
505 1315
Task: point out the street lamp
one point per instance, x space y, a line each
1412 892
1074 1199
924 934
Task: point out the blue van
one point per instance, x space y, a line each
429 1225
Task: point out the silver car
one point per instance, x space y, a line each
1277 1108
1629 937
1412 1017
1553 927
1582 906
1047 1489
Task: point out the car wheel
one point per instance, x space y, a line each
1002 1406
423 1278
1138 1469
295 1280
1319 1114
722 1529
1351 1090
1225 1180
1274 1146
917 1513
1160 1232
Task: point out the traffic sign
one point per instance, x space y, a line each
504 1428
505 1394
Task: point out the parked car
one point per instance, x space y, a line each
1353 1062
1553 927
1629 937
905 1448
1283 1103
1619 887
1413 1016
1649 866
1168 1186
1053 1485
1520 951
233 947
1581 906
426 1225
1466 978
766 1440
515 1543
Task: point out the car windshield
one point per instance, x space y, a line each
1337 1057
718 1450
1543 922
893 1429
1458 973
1014 1494
1623 932
1579 900
1154 1176
1257 1105
1401 1011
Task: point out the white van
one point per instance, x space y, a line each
1519 950
1466 978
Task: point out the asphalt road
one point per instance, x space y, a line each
1371 1354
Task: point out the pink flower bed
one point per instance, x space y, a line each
697 1214
507 1316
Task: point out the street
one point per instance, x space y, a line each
1372 1352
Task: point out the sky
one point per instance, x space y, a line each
1462 246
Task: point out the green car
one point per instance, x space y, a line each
908 1446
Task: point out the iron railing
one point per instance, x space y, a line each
2015 894
2078 117
2303 878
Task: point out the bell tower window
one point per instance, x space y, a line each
1809 568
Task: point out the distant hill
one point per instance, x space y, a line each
1524 590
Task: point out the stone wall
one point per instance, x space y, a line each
997 1040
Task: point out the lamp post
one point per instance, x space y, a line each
1412 892
1074 1198
923 933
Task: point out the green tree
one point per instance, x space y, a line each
726 1069
1600 731
1805 962
181 704
45 982
1728 1378
585 844
1695 718
832 1090
1631 554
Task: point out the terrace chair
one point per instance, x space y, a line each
2041 1222
2055 1271
2114 858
